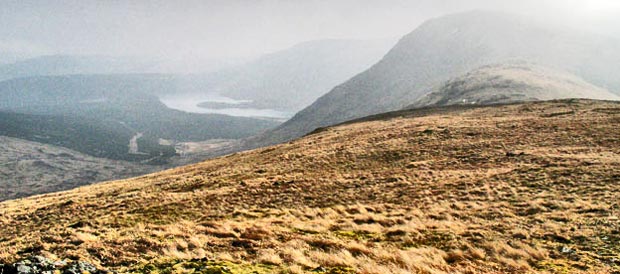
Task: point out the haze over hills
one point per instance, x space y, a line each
511 82
292 79
522 188
286 80
65 64
449 46
10 57
54 65
75 130
12 51
108 108
99 114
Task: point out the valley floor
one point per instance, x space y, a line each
503 189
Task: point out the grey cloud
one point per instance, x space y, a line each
237 28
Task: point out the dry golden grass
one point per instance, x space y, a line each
518 188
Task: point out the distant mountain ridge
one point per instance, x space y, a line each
449 46
8 57
53 65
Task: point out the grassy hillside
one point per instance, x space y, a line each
516 188
446 47
511 82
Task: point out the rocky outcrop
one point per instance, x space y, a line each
42 265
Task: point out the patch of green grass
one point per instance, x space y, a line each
555 267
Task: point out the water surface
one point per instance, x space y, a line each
189 103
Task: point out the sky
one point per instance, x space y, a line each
220 29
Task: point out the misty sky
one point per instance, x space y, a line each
242 28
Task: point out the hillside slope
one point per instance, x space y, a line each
511 82
514 188
30 168
449 46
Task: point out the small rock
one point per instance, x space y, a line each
80 267
25 269
43 263
566 250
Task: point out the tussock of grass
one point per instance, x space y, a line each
495 189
